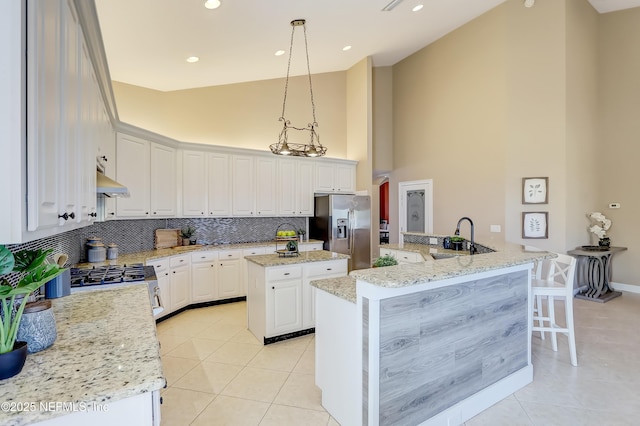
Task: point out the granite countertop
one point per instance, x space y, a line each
343 287
304 257
106 350
425 250
422 272
144 256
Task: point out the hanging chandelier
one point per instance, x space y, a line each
312 147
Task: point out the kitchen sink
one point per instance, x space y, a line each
440 256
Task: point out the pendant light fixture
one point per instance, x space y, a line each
313 147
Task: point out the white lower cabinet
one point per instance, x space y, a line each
163 270
317 271
230 274
180 277
280 299
204 277
310 247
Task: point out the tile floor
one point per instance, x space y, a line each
219 374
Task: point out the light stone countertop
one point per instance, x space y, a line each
106 350
273 259
425 250
343 287
144 256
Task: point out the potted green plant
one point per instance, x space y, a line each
386 260
301 233
457 243
36 272
186 234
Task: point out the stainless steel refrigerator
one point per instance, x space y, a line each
343 222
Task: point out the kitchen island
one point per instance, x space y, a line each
103 369
425 343
280 299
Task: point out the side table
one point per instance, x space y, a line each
594 270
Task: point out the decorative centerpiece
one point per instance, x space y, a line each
287 237
186 234
36 272
600 228
457 243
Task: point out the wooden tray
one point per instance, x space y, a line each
166 238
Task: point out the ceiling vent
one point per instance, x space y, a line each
391 5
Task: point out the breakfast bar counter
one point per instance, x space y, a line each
103 367
425 343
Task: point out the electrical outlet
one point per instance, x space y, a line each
495 228
614 205
433 241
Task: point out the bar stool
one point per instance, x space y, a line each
557 283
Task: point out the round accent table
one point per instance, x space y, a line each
594 271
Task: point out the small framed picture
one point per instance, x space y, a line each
535 190
535 225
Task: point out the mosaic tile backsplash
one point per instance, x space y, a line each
138 235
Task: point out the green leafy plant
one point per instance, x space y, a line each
386 260
32 263
456 239
187 232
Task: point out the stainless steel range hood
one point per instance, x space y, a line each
110 187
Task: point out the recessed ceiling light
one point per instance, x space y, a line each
212 4
279 52
529 3
346 48
417 7
192 59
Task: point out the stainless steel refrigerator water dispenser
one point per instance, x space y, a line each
342 228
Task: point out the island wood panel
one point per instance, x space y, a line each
440 346
365 361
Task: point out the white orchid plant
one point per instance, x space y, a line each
601 226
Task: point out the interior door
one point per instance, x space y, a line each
416 207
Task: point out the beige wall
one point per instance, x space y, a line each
243 115
619 149
382 121
449 102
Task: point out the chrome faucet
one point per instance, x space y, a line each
472 246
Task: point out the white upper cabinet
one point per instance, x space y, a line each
266 200
295 187
62 100
243 184
148 170
194 183
219 180
163 181
133 170
334 176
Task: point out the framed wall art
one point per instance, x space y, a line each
535 225
535 190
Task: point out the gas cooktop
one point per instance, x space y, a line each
110 274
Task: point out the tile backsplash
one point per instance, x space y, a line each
138 235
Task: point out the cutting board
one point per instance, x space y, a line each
166 238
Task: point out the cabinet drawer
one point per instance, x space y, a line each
179 260
287 273
326 268
204 256
159 265
253 251
229 254
311 247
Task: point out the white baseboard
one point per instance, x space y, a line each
625 287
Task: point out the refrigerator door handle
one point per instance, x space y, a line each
350 217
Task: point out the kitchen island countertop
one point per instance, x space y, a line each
303 257
106 350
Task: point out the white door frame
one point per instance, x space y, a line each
427 185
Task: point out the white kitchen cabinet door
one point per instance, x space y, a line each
219 184
107 154
325 176
90 106
283 307
203 281
230 276
304 188
266 195
243 181
345 178
180 287
133 171
45 158
163 181
162 270
194 184
253 251
318 271
287 176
